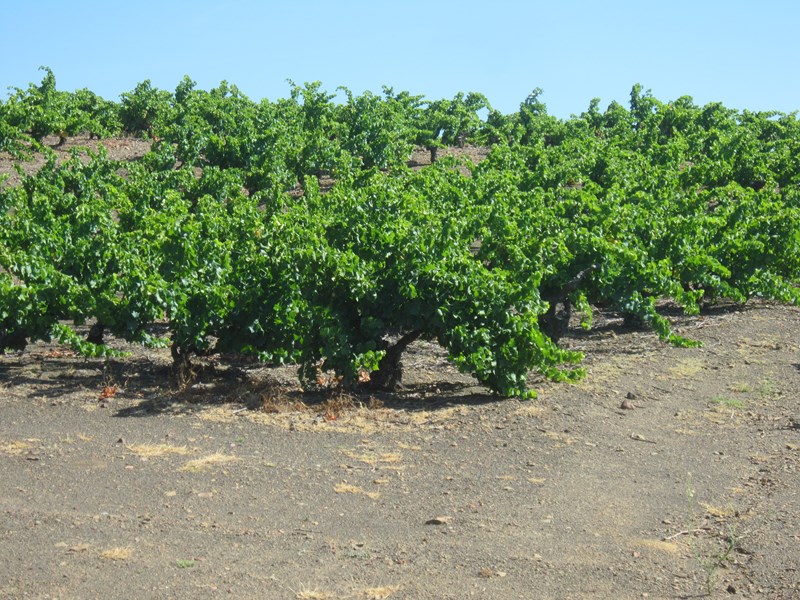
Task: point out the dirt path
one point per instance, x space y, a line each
438 492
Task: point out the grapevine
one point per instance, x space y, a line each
298 231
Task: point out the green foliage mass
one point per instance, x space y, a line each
294 230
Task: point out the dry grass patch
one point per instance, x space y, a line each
435 417
154 450
314 594
660 545
343 412
367 420
17 447
340 412
79 437
346 488
370 593
378 593
685 431
558 436
116 554
719 416
530 410
338 404
412 447
718 512
687 368
217 414
374 458
207 462
280 403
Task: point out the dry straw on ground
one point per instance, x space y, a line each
154 450
116 554
207 462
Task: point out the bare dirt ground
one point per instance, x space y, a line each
666 473
124 148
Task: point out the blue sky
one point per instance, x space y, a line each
744 54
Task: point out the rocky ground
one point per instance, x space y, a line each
667 473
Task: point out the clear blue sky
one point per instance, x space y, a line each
745 54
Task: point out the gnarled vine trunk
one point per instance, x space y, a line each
389 375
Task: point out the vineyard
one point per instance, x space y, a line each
299 231
255 348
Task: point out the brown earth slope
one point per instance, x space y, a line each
440 491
